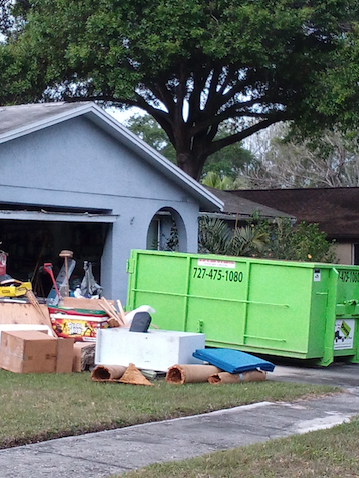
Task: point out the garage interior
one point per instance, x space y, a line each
31 243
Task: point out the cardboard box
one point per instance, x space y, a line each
81 328
28 352
83 356
15 327
35 352
64 356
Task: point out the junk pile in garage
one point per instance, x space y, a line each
77 329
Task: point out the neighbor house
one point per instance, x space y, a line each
237 211
335 210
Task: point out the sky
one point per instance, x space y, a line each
121 115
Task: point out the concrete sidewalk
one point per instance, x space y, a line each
113 452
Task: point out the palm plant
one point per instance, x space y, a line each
216 237
248 241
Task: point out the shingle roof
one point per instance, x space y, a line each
244 208
336 210
13 118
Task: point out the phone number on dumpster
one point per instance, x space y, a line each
217 274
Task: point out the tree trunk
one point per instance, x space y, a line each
191 164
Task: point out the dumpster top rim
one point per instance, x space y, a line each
309 265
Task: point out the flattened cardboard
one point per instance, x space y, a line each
133 376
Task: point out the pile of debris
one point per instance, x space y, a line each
74 334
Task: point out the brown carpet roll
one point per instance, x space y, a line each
179 374
225 377
107 373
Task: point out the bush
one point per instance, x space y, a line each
278 239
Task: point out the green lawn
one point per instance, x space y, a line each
44 406
330 453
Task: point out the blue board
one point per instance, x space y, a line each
233 361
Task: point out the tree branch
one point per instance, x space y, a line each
221 143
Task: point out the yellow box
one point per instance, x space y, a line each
80 327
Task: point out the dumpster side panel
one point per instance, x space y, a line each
278 309
159 280
217 299
346 339
318 310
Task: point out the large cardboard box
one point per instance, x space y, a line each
28 352
64 356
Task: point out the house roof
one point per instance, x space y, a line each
243 208
17 121
336 210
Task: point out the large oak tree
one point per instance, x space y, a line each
191 64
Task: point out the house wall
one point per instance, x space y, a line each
76 164
344 253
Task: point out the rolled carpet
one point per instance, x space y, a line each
179 374
226 377
107 373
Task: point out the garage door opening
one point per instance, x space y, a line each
30 244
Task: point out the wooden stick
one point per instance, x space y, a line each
32 299
110 310
111 316
122 312
114 311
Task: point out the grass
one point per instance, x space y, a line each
330 453
37 407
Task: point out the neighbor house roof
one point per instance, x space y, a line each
336 210
241 208
17 121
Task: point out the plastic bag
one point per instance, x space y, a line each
89 286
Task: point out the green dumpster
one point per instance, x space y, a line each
289 309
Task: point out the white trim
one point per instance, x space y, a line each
57 216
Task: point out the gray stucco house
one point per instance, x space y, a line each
72 177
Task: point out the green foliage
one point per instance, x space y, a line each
261 238
310 244
190 64
147 128
229 161
215 237
5 18
214 180
220 169
299 242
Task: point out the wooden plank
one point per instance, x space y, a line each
79 303
24 314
